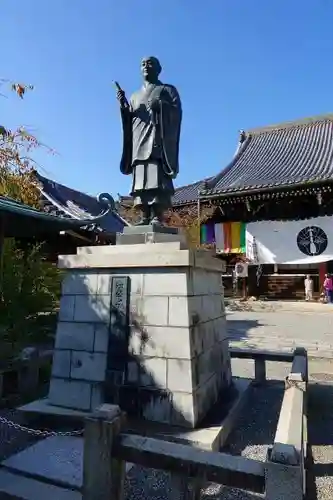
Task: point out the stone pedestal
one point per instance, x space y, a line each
142 325
150 234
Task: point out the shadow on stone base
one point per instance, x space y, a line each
211 434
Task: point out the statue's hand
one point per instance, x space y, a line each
121 98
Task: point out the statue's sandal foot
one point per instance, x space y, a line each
156 220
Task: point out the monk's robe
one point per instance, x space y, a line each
151 132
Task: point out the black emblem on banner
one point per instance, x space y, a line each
312 240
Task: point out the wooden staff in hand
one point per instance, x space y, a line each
121 96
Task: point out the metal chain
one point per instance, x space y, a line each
37 432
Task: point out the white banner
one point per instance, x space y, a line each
290 242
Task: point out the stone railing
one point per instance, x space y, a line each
286 459
107 448
285 464
260 358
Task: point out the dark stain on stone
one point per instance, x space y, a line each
156 397
111 393
115 377
195 319
196 372
129 400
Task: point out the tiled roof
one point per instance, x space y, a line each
280 155
188 193
69 203
23 220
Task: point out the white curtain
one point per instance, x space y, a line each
290 242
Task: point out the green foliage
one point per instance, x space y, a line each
29 285
30 289
16 162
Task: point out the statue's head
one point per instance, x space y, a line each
150 68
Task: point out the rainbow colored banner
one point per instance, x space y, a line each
230 237
207 233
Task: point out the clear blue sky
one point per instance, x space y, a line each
237 64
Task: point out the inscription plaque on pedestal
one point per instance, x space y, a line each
117 355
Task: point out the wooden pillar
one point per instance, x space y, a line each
2 240
259 371
183 488
252 281
244 288
322 272
103 474
283 481
199 220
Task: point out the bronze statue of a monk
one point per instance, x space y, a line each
151 130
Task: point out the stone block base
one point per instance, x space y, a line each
142 326
211 434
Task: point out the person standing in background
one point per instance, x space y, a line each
328 288
308 287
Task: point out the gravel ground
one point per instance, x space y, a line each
254 433
320 425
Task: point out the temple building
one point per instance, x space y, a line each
274 206
69 204
65 220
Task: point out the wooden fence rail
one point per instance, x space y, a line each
232 471
107 448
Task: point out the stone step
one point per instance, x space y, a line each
55 462
29 489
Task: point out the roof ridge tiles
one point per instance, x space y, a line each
286 154
301 122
